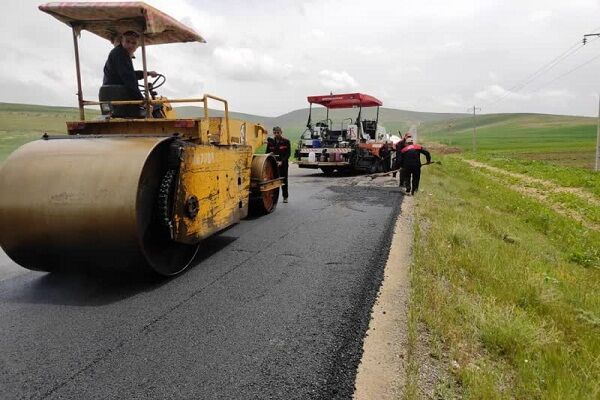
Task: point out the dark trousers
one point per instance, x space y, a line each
412 178
283 173
403 174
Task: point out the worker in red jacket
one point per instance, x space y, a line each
281 148
409 159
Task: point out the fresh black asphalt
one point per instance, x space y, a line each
275 308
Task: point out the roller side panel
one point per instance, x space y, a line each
217 178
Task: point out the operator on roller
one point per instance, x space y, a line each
118 69
281 148
409 159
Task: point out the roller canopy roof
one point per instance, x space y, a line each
110 20
347 100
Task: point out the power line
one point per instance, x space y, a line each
543 69
566 73
540 71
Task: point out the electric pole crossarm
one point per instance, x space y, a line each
588 35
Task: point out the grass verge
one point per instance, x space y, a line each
20 123
507 287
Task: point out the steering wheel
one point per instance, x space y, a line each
156 83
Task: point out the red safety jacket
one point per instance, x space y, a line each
410 156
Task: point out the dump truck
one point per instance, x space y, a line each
350 144
136 188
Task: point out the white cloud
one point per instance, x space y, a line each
337 80
452 45
317 33
451 100
370 50
496 92
244 64
556 93
410 69
540 15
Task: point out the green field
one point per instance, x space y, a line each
563 140
506 278
21 123
506 264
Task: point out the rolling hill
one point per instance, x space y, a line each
537 136
559 139
294 122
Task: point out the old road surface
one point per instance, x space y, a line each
276 307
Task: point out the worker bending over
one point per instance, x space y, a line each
409 160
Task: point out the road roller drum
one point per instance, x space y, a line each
76 203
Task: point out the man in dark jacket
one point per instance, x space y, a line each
281 148
399 146
410 162
118 69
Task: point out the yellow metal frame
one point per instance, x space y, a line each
203 100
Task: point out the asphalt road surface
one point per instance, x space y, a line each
276 307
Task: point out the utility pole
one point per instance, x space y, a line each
475 109
597 164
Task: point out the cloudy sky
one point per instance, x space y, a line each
266 56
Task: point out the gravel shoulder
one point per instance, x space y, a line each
381 373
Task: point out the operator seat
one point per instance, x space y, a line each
119 92
370 128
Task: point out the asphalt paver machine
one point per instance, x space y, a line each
351 144
124 191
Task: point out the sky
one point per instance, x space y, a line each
265 57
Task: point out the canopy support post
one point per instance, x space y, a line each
78 69
148 105
360 130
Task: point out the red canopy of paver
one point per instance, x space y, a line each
110 20
347 100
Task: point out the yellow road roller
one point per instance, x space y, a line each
136 187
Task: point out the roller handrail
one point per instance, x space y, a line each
203 100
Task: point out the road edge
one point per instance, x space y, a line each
381 373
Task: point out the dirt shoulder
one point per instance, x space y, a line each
381 373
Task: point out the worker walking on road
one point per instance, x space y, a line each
399 146
280 147
410 164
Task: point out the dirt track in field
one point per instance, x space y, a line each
541 190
